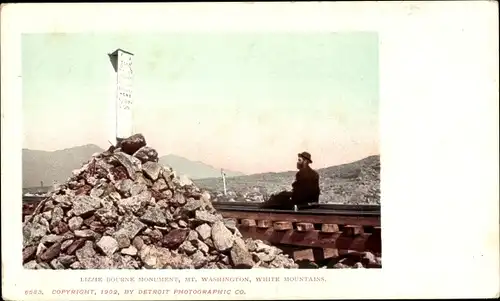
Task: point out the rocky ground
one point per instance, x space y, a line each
124 210
352 183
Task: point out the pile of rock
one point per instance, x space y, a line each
124 210
356 260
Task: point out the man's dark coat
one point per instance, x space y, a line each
306 186
305 190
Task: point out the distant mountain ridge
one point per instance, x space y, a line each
49 166
356 182
195 169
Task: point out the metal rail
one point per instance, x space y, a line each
340 207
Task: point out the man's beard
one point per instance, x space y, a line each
299 166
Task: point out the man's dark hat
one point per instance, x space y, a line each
306 156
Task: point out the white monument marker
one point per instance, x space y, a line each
122 74
224 180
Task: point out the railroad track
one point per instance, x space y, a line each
317 233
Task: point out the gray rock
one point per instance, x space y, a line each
160 185
76 265
67 260
47 215
75 223
222 237
163 204
29 253
175 238
192 236
118 261
51 238
199 260
185 181
240 256
152 170
204 231
230 224
41 221
128 162
124 186
264 257
62 199
157 257
97 192
179 199
122 239
141 181
31 265
85 204
154 215
146 197
75 246
33 232
130 226
40 249
138 243
66 244
282 261
154 257
133 143
187 247
132 204
207 217
202 246
206 196
192 205
56 264
146 154
358 265
51 252
107 216
137 189
369 258
88 257
132 251
87 233
156 235
108 245
183 224
174 225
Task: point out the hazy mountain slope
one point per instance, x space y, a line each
357 183
54 166
57 165
194 170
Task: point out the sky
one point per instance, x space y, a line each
246 102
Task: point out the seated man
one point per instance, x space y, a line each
305 189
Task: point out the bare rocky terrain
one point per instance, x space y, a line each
352 183
124 210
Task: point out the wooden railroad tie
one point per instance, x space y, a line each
264 223
329 228
283 225
303 227
246 222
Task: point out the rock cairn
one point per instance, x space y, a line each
123 210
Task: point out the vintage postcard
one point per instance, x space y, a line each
246 150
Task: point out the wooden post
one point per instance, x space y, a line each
122 96
224 180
